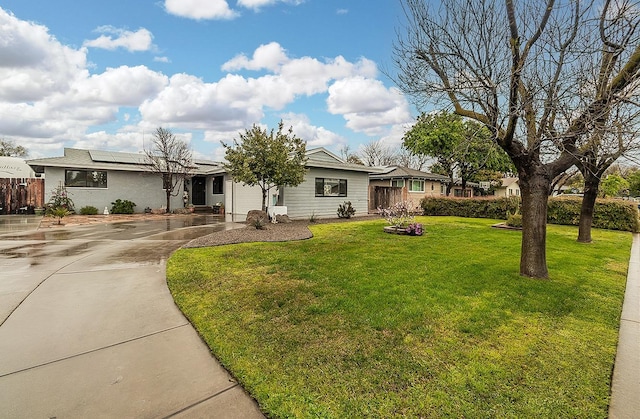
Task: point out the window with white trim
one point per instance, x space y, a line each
416 185
397 183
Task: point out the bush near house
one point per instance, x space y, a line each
608 213
88 210
122 207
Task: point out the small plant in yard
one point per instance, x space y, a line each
59 213
258 223
59 199
122 207
398 215
345 210
89 210
514 219
414 229
313 218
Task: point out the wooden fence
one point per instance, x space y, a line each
384 197
21 196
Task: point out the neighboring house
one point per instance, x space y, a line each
509 187
98 178
402 184
21 190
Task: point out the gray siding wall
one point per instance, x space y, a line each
301 201
142 188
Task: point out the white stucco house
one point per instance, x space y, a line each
98 178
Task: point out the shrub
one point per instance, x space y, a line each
59 200
397 215
608 213
122 207
345 210
514 220
88 210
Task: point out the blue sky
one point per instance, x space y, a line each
103 74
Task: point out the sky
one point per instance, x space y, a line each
104 74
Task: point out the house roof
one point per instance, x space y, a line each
396 172
136 162
323 158
107 160
508 181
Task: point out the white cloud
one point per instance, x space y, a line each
194 104
257 4
114 38
313 135
270 57
122 86
33 64
161 59
367 105
200 9
342 11
51 97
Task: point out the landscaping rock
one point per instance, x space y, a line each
255 215
283 218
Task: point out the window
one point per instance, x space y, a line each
218 185
85 178
397 183
331 187
416 185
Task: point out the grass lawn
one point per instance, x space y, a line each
359 323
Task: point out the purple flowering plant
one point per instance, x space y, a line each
414 229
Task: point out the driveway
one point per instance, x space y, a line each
88 327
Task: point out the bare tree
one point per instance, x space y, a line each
171 158
348 156
563 179
10 149
538 74
376 153
406 158
610 141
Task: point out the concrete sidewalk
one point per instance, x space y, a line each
625 386
88 329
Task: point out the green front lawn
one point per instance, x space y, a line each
359 323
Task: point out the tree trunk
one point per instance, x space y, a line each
591 184
264 199
535 197
168 200
449 186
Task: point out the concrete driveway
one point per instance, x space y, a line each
88 327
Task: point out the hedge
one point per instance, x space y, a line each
608 213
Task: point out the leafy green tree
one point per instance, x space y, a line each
634 182
267 159
613 185
438 136
457 144
10 149
171 158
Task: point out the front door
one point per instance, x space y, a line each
199 192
